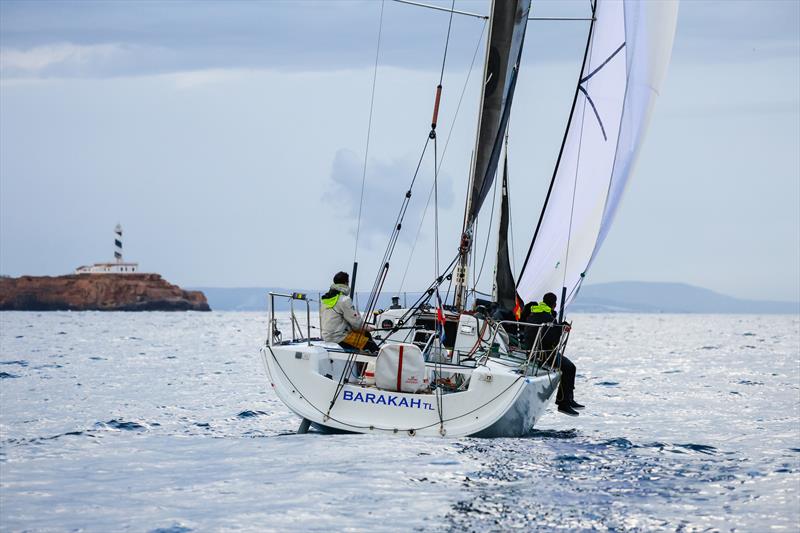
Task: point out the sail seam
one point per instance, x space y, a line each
589 98
604 63
596 114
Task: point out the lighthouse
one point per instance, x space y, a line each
118 243
119 266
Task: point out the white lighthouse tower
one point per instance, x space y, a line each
119 266
118 243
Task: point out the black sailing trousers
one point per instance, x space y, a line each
566 388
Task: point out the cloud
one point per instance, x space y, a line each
101 60
198 78
386 184
54 58
107 39
68 60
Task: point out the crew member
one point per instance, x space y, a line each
341 322
544 313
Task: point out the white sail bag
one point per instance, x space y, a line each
400 368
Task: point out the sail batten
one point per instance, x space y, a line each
628 49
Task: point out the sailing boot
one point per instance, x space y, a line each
576 405
565 408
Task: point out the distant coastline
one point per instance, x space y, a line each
618 297
654 297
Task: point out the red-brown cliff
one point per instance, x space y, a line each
97 292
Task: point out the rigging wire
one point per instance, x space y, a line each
436 145
437 8
449 286
432 135
444 152
369 130
447 41
575 181
383 269
439 326
423 299
435 209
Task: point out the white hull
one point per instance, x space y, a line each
497 401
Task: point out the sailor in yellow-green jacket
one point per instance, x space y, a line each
340 321
545 313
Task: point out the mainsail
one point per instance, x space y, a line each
508 22
626 58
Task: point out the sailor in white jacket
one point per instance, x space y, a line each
339 318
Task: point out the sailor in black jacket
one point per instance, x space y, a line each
545 313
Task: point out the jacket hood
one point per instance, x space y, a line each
341 287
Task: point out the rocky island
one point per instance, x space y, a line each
97 292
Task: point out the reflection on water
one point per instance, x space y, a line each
164 422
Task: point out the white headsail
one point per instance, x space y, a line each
626 59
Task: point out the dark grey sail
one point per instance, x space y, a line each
508 22
504 277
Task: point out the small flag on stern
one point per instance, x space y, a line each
517 307
440 316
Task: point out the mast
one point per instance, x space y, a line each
507 23
461 271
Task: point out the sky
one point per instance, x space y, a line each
229 138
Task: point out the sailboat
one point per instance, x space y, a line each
446 370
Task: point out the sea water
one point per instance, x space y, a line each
165 422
